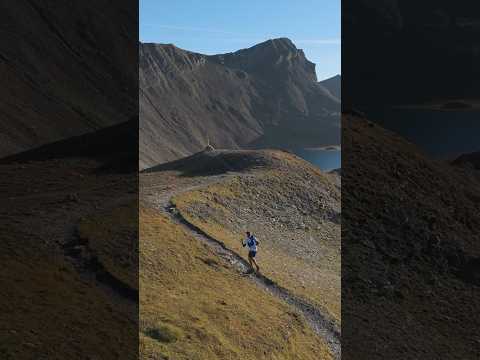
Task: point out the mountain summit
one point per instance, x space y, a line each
273 57
264 96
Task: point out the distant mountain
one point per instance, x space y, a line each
264 96
62 73
334 85
398 54
433 41
471 160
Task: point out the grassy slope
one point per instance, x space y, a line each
54 311
226 210
192 306
407 261
51 310
113 237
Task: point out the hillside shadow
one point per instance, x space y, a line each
217 162
115 147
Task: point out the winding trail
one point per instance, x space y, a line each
320 322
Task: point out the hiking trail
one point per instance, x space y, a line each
320 322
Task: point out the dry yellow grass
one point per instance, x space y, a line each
113 238
318 281
52 311
193 306
52 305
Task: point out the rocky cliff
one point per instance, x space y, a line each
267 95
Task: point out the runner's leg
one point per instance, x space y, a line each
255 262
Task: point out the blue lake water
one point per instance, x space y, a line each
440 134
326 160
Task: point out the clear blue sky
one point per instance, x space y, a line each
219 26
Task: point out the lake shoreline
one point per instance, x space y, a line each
324 148
325 159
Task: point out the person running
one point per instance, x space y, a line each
252 242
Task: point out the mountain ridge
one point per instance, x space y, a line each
264 96
334 85
63 75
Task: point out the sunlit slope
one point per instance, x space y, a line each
293 209
193 306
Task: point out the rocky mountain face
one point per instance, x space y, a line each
62 73
334 85
410 250
267 95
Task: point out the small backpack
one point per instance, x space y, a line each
252 238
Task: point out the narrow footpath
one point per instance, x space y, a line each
318 320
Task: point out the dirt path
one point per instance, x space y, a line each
320 322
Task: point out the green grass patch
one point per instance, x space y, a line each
163 333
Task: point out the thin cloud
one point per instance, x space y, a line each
188 28
240 38
319 42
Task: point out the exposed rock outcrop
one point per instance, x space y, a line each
267 95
